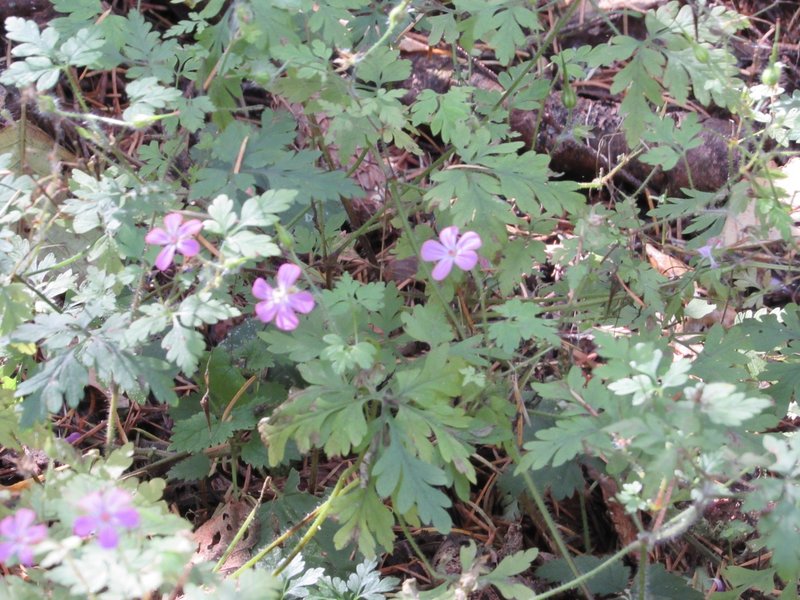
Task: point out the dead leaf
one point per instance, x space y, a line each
740 228
32 148
215 535
664 263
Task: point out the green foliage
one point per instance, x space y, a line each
410 482
521 323
610 581
668 60
404 384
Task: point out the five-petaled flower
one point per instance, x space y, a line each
451 249
282 302
19 535
176 237
107 512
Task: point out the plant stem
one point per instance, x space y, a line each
319 515
414 546
415 247
242 529
322 514
533 490
589 574
113 402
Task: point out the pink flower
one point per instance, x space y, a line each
178 237
19 535
106 513
451 249
281 303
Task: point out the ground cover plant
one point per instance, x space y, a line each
364 299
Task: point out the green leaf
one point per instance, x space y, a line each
344 356
16 307
254 453
661 156
383 65
435 383
158 377
60 379
192 112
724 405
223 218
34 69
521 324
527 177
662 585
516 563
327 414
83 49
350 295
184 347
146 96
446 114
561 443
201 308
365 519
261 210
611 580
410 482
147 54
250 245
519 258
33 43
193 434
194 468
762 580
428 323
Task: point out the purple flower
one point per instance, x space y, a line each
177 237
451 249
281 303
106 513
19 535
707 251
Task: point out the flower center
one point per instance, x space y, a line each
280 295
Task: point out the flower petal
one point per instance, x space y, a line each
24 518
8 526
302 302
466 259
173 222
188 247
432 250
442 268
158 237
107 537
165 257
288 275
285 319
266 310
449 237
25 555
84 525
469 241
127 517
36 534
261 289
191 227
6 550
93 503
